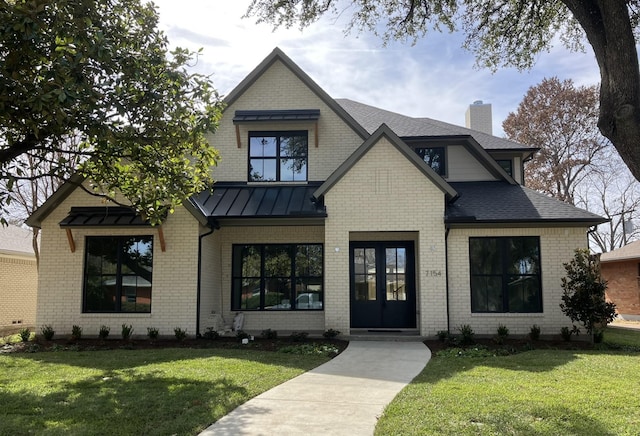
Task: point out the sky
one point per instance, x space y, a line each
434 78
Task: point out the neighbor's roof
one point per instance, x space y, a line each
501 202
371 118
15 240
628 252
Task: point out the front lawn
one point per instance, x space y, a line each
135 392
538 392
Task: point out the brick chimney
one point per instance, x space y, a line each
478 117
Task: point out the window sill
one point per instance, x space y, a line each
115 315
508 315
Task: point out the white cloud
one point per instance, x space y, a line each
434 78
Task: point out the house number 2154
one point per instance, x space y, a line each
434 273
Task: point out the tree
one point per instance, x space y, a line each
509 33
611 191
561 119
583 298
101 72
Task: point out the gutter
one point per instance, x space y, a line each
446 268
212 225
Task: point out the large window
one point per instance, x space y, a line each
117 274
278 156
434 157
277 277
505 274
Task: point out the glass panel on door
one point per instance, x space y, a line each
396 270
364 265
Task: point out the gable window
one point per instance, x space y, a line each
505 274
117 274
434 157
507 165
277 277
278 156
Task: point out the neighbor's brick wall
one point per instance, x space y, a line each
174 275
385 193
256 321
557 246
623 285
18 292
279 88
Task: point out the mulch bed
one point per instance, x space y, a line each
93 344
514 345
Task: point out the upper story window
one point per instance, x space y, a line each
507 165
434 157
278 156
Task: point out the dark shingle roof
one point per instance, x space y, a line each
238 200
276 115
372 117
500 202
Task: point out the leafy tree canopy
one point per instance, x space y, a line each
100 73
504 33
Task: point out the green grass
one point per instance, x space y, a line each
539 392
134 392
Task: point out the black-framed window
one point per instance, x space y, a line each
434 157
118 274
507 165
505 274
278 156
277 277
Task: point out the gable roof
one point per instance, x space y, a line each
15 240
500 202
628 252
386 132
371 117
278 55
432 130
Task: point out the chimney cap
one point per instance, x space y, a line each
478 102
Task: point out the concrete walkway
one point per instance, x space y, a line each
344 396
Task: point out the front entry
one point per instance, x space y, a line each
382 285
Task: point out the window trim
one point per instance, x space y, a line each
292 277
118 275
504 274
276 134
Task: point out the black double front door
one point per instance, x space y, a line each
382 285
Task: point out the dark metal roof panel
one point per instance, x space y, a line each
248 116
246 201
102 217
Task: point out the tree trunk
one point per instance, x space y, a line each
608 29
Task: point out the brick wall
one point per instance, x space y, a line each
174 275
623 286
279 88
18 292
387 197
557 246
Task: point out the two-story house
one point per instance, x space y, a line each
327 213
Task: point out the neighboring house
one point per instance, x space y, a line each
326 214
621 269
18 279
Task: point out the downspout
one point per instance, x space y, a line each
199 286
446 271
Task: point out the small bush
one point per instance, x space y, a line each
104 332
210 333
269 334
466 334
598 336
241 334
566 333
534 333
442 335
503 332
299 336
331 333
152 333
179 333
47 331
25 334
76 332
126 331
